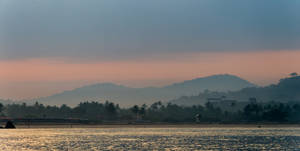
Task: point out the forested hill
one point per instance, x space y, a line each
287 90
126 96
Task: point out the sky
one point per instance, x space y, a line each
47 46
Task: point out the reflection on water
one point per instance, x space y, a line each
151 139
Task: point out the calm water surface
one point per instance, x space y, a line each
151 139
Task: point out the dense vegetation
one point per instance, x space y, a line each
158 112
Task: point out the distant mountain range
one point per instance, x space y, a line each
126 96
287 90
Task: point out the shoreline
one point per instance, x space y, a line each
22 126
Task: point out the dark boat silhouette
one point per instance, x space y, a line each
9 125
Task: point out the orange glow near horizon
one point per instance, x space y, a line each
42 77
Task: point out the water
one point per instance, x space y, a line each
151 139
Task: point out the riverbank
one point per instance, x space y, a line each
155 125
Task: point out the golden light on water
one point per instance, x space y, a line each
151 139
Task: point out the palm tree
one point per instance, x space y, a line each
135 109
1 108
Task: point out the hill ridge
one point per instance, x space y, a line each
125 95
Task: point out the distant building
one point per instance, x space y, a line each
222 102
252 100
214 99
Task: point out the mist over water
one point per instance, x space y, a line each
151 139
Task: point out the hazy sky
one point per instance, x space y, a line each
47 46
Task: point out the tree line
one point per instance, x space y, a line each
158 112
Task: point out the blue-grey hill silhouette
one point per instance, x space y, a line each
126 96
287 90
